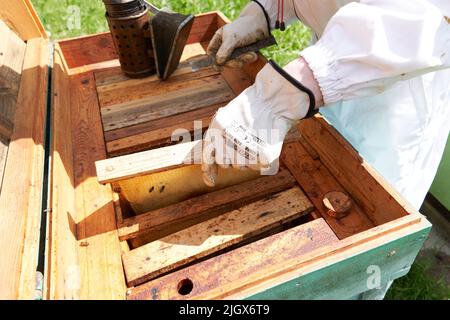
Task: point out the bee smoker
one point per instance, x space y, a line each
129 23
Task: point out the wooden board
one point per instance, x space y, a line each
204 206
62 247
20 197
152 104
88 50
283 266
365 185
12 50
316 180
21 17
151 139
12 53
99 247
200 240
147 162
234 269
142 114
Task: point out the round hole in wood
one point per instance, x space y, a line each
185 287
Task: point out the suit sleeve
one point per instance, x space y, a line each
369 46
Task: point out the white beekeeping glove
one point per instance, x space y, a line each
250 130
251 26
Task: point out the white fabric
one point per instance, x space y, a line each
382 66
250 130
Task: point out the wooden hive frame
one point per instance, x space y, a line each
93 230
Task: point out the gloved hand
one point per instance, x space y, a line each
250 130
250 27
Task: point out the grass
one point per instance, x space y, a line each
60 21
418 284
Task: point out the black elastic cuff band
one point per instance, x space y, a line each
265 14
312 100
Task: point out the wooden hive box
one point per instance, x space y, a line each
127 216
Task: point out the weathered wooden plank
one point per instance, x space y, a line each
370 191
153 88
101 275
109 81
237 268
203 239
12 53
161 124
194 95
20 197
12 50
3 154
203 93
6 129
205 206
157 138
107 77
62 248
22 18
346 272
316 180
146 162
293 258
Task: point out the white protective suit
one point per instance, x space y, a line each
385 87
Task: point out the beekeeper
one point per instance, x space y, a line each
379 73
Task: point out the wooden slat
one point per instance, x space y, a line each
147 162
373 194
113 78
62 247
316 180
237 268
12 50
20 198
197 94
3 154
203 207
110 76
160 124
22 18
289 260
157 138
101 275
203 239
130 90
12 53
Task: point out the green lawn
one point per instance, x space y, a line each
61 23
